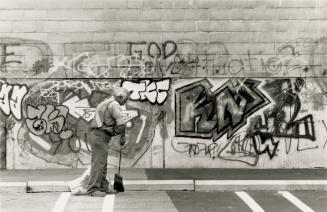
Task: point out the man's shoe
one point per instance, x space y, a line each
98 193
111 191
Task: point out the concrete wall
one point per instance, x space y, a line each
229 83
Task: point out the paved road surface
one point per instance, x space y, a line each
242 201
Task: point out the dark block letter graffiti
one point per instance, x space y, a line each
206 114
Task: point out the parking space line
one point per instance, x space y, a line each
298 203
249 201
108 203
61 202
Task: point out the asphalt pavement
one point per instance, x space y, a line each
173 201
137 179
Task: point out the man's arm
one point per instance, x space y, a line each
121 130
118 115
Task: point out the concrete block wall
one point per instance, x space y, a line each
216 83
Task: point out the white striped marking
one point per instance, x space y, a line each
249 201
298 203
13 184
261 182
61 202
108 203
158 182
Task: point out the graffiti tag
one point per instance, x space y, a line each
11 97
206 114
80 108
153 91
45 119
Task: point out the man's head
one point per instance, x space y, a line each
121 95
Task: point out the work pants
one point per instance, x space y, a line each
99 141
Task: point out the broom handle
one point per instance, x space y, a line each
121 148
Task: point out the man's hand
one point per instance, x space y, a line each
122 140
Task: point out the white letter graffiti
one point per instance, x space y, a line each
154 91
11 97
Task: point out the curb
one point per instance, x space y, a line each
18 187
159 185
47 186
236 185
175 185
130 185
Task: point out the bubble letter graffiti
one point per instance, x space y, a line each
45 119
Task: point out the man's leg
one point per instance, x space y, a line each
104 182
99 144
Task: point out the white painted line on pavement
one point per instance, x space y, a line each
249 201
61 202
131 182
159 185
298 203
154 182
12 184
261 182
198 182
47 183
108 203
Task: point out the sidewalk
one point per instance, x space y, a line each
136 179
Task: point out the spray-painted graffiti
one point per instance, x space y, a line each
79 84
247 119
201 112
153 49
265 143
165 59
11 97
188 58
57 132
249 64
53 86
181 58
86 65
281 120
47 119
240 148
82 65
155 92
80 108
197 115
22 54
193 149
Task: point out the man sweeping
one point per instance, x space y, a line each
108 121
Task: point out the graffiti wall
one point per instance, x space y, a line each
252 121
223 84
176 117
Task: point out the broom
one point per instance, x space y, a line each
118 182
